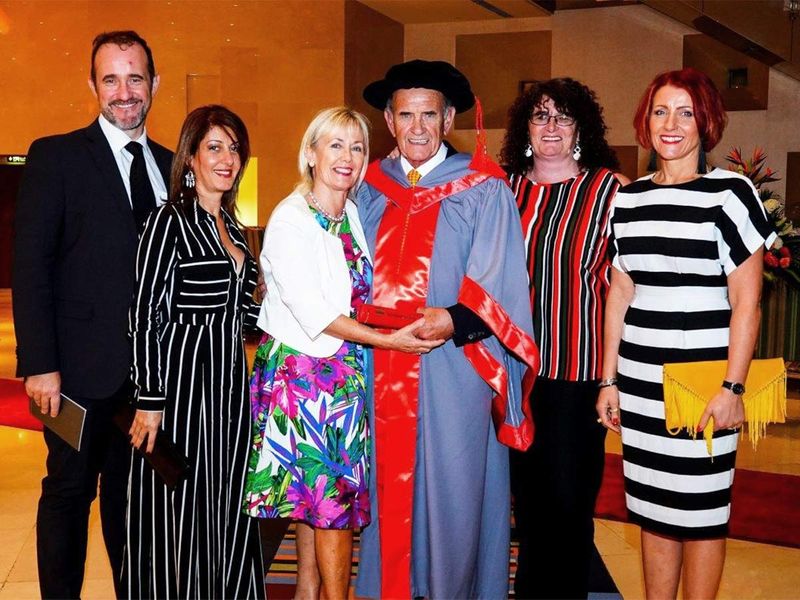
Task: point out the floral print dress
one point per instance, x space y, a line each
310 447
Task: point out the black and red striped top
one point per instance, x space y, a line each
564 225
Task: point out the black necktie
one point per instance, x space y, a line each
142 198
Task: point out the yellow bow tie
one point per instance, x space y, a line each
413 177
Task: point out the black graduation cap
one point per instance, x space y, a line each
429 74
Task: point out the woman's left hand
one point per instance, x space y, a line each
145 425
727 409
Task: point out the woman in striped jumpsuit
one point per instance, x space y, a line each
195 280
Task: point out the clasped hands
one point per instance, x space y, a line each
431 330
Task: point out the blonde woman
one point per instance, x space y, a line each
309 458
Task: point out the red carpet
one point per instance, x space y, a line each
14 406
280 591
766 506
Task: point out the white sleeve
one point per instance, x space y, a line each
292 256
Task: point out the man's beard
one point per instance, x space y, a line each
128 123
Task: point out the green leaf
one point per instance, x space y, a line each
281 421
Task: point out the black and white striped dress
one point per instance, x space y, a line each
186 322
678 243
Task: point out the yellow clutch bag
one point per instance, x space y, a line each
688 387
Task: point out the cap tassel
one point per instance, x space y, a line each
480 158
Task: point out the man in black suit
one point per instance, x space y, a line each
83 199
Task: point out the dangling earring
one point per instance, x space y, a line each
576 151
189 179
528 151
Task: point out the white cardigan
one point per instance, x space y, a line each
308 282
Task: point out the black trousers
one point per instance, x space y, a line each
555 484
68 490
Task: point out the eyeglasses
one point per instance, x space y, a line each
543 118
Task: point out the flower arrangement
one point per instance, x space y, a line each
782 261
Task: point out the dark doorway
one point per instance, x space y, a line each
11 168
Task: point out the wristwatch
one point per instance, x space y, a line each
736 388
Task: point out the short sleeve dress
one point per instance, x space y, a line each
678 243
310 443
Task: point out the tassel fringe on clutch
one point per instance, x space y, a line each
688 387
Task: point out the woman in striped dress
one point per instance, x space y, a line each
687 248
195 280
561 173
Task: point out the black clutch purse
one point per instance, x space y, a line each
166 459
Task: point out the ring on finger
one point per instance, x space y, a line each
613 410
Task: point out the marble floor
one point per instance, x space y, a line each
752 570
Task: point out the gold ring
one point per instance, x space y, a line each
613 410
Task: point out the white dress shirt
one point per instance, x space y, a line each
118 139
429 165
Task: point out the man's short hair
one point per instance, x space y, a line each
123 39
447 103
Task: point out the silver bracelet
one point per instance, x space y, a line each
607 382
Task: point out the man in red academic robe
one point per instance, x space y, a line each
445 235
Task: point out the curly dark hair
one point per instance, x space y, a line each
572 98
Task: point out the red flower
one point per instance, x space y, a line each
785 262
771 260
784 251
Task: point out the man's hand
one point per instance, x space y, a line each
45 390
438 324
145 426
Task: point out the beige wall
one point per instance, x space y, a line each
276 63
617 51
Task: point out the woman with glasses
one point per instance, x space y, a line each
561 171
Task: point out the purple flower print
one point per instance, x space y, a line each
260 392
287 387
349 250
328 373
356 498
311 505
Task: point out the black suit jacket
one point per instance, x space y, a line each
74 258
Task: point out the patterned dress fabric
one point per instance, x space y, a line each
678 243
310 438
186 324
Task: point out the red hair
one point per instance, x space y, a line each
709 112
